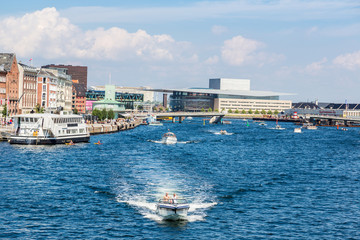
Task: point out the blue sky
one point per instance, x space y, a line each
311 48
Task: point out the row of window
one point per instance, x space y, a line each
72 131
67 120
28 120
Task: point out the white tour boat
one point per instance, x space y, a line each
169 138
47 128
172 209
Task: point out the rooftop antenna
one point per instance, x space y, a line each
110 78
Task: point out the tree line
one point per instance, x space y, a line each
103 114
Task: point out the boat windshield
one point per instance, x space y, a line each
177 201
169 134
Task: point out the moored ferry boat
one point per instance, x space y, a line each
47 128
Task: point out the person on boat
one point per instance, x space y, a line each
99 142
166 197
71 142
174 199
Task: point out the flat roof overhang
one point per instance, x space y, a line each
223 92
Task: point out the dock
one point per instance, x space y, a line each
104 128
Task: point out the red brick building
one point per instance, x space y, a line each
79 78
9 82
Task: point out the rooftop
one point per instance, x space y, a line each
223 92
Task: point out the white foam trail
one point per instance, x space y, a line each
195 206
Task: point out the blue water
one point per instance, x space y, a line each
257 183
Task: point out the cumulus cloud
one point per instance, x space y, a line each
316 66
212 60
349 61
238 50
46 34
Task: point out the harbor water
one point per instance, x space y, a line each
256 183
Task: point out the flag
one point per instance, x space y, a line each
30 59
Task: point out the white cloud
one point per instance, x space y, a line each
46 34
316 66
239 50
349 61
217 30
212 60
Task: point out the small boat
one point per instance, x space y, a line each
309 126
70 143
297 130
278 127
155 123
262 124
169 138
98 143
172 209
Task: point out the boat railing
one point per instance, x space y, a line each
174 201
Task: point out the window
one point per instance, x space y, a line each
44 80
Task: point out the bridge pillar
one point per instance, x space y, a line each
181 119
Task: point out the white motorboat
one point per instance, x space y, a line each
173 209
262 124
169 138
309 126
46 128
223 132
278 127
155 123
297 130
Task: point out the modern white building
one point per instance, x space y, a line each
226 94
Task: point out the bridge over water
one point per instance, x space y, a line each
333 120
215 117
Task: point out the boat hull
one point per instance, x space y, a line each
173 212
25 140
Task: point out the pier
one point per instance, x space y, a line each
103 128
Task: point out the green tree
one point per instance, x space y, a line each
263 111
166 109
161 109
39 109
257 111
216 110
140 107
4 110
111 114
237 111
269 112
223 110
75 111
104 114
96 113
276 112
250 111
229 111
203 110
243 111
210 109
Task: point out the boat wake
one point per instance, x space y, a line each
148 209
178 142
220 133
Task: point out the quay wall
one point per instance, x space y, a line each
104 128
